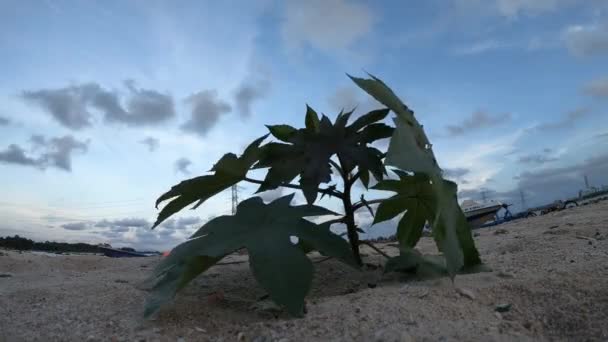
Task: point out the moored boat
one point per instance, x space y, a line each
479 214
120 253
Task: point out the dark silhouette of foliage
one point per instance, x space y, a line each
16 242
314 155
24 244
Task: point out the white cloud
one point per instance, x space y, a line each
248 93
182 165
70 106
481 47
56 152
567 121
477 121
327 25
478 158
151 142
348 98
597 88
75 226
207 109
587 40
511 9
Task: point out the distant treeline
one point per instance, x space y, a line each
23 244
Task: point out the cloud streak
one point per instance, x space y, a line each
348 98
14 154
68 105
77 226
330 26
182 165
456 172
537 158
183 223
123 224
248 93
143 106
550 184
53 153
151 142
587 40
481 47
477 121
567 121
207 109
511 9
597 88
71 106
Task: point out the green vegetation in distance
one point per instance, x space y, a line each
315 155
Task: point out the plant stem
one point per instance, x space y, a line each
349 218
329 192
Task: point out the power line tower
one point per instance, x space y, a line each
235 198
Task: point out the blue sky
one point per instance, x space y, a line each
106 104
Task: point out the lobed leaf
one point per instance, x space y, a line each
280 267
369 118
282 132
307 152
172 276
416 198
228 171
375 132
410 149
312 120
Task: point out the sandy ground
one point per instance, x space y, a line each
552 271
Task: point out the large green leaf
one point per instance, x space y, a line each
312 120
307 152
410 149
169 278
228 171
415 197
369 118
280 266
454 225
282 132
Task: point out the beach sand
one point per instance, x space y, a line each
549 277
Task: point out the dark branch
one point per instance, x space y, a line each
361 204
366 204
355 177
337 167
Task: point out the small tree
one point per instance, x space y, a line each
315 153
